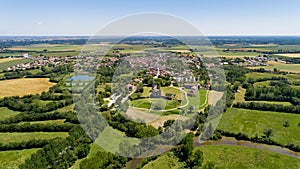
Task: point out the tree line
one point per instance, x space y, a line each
268 107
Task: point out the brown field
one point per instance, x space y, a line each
8 59
25 86
214 97
152 119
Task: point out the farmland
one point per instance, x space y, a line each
12 159
252 122
21 87
5 63
281 66
245 158
13 137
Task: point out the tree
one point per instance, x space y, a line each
268 132
286 123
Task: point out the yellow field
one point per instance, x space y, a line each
294 68
292 55
25 86
8 59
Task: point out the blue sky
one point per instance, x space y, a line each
212 17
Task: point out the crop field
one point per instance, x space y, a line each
252 122
292 55
7 113
13 62
12 159
21 87
8 59
18 137
256 75
294 68
245 158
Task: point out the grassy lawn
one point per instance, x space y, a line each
12 159
7 113
147 103
13 62
25 86
253 122
18 137
246 158
166 161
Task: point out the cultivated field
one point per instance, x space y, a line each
8 59
25 86
5 63
295 68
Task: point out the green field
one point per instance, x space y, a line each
294 68
7 113
11 63
12 159
238 157
111 138
154 102
59 121
166 161
252 122
256 75
18 137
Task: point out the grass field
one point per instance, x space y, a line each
18 137
25 86
148 103
253 122
12 62
256 75
12 159
246 158
239 96
294 68
59 121
7 113
110 139
166 161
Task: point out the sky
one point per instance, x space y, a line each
211 17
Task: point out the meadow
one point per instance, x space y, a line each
24 86
7 113
252 122
294 68
12 159
18 137
238 157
